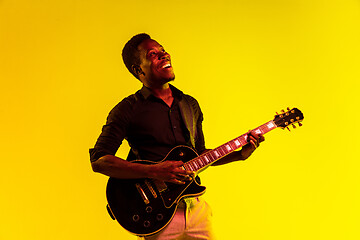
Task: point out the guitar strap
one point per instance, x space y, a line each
187 113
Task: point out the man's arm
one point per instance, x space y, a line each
169 171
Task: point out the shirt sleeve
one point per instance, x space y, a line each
113 132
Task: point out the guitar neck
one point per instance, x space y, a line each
215 154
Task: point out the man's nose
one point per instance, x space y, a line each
163 55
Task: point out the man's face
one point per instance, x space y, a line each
155 64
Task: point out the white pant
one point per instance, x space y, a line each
192 220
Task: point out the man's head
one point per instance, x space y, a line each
147 60
130 52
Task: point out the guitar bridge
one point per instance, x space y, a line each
160 185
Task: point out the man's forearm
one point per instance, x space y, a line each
116 167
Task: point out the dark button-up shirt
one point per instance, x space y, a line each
150 126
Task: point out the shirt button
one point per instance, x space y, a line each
174 127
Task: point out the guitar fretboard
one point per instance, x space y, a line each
215 154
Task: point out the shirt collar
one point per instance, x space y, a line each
146 92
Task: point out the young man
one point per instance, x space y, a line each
153 122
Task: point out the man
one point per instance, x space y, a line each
153 122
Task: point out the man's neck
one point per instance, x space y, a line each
164 92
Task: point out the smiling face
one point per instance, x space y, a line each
155 68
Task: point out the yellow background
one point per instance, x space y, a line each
61 73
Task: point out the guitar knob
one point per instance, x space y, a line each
159 217
147 224
135 218
148 209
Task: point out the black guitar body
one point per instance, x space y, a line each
145 206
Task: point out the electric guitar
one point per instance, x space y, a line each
145 206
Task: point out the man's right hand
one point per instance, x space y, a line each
170 171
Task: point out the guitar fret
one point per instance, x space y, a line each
228 147
197 167
222 151
211 157
191 167
232 145
243 140
201 163
198 161
206 159
217 154
270 125
264 128
237 143
258 131
225 149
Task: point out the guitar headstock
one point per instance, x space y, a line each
290 117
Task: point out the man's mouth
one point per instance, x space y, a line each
168 65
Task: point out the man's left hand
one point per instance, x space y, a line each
254 141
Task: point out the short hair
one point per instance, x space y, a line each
130 52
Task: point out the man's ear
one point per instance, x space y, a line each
137 70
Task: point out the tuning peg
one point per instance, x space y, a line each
283 111
300 124
288 108
288 129
277 113
294 126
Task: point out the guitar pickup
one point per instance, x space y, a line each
148 184
142 194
